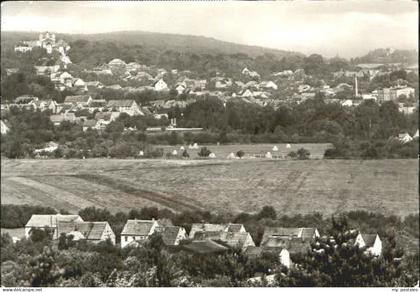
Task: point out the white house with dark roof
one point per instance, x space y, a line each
94 232
127 106
137 230
372 242
160 85
39 221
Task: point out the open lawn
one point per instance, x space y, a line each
290 186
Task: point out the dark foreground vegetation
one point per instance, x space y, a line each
39 261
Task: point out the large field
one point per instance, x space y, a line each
291 186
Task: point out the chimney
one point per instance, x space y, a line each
355 86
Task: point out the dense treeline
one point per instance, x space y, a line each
38 262
360 133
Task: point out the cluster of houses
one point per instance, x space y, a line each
203 238
279 88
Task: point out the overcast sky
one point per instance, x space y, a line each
348 28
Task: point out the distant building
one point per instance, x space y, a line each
160 85
289 233
137 230
94 232
171 235
398 91
250 73
49 222
127 106
371 241
405 138
4 128
204 247
79 100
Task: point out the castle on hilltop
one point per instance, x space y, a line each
47 41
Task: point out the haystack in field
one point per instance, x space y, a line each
181 148
212 155
174 152
141 153
268 155
288 146
275 148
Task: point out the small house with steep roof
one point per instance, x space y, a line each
371 242
137 230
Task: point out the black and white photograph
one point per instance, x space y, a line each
209 144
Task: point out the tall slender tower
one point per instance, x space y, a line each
355 86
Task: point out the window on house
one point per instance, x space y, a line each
126 238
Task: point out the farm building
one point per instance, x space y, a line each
91 231
207 227
127 106
171 235
285 249
271 234
137 230
49 222
238 239
371 241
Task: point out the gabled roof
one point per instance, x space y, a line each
76 98
169 233
98 103
254 251
280 232
90 230
308 233
205 227
204 247
120 103
138 227
298 246
272 242
50 220
235 239
234 227
369 239
145 110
